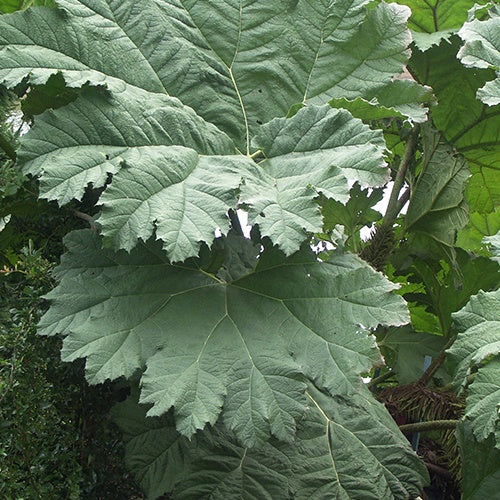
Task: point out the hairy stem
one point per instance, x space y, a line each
87 218
382 241
394 206
235 222
430 425
403 199
381 378
439 470
436 363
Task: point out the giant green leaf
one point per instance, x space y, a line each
339 438
480 465
224 63
482 50
168 172
483 402
237 65
471 126
336 439
433 21
208 343
472 236
478 324
170 177
437 206
318 150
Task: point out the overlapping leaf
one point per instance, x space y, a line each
241 54
438 282
480 464
318 150
471 126
482 50
437 206
483 402
208 343
430 16
478 346
478 323
494 243
472 236
408 349
337 439
399 98
433 21
8 6
225 62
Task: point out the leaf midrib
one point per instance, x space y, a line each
229 69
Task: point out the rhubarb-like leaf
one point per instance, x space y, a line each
337 438
208 344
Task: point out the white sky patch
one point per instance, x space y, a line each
16 119
381 207
243 216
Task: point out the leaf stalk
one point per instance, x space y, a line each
395 204
430 425
436 363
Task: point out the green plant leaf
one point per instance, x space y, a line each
183 192
424 41
318 150
409 349
320 461
399 98
482 50
483 402
437 206
472 236
478 324
208 343
494 243
444 280
434 21
154 450
431 16
221 48
339 440
242 54
355 214
8 6
480 465
471 126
